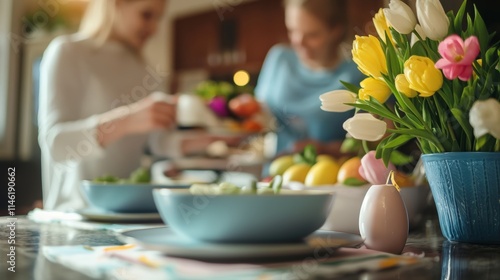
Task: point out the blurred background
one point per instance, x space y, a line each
199 41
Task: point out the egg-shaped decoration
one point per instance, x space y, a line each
383 220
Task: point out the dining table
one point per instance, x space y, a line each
441 259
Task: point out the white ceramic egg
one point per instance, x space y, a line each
383 220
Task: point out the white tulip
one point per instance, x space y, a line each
484 116
364 126
334 101
433 19
400 17
420 32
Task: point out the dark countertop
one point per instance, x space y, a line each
450 260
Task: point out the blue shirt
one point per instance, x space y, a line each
291 91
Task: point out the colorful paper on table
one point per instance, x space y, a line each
134 262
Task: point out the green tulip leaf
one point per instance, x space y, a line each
350 87
398 141
398 158
459 17
353 182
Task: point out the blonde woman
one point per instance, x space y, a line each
95 110
293 77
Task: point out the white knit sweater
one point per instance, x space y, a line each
79 81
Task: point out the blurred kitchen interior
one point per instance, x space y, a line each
198 40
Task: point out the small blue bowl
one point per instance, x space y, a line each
123 198
287 217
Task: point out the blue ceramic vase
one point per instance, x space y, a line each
466 190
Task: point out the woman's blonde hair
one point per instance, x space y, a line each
97 23
331 12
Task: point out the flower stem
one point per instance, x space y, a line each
365 146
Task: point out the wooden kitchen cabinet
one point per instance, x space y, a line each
203 40
239 37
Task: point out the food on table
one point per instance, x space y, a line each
314 170
235 106
280 165
218 149
296 173
306 164
244 105
210 89
307 155
325 158
226 188
251 125
349 173
219 106
138 176
322 173
107 179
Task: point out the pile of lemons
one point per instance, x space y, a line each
323 172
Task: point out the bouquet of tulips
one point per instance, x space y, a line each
435 77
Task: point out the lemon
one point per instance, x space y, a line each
325 157
280 165
296 173
322 173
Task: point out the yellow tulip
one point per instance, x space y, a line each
422 75
403 86
382 26
375 88
367 53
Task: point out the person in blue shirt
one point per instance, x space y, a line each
293 77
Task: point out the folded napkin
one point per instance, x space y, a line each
132 262
75 220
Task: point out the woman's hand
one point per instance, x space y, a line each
154 112
150 114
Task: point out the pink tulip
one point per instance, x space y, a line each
458 57
373 170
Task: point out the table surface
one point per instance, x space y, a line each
450 260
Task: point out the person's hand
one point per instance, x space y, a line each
148 114
156 111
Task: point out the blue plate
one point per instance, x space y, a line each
163 239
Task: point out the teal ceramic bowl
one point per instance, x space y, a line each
123 198
287 217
